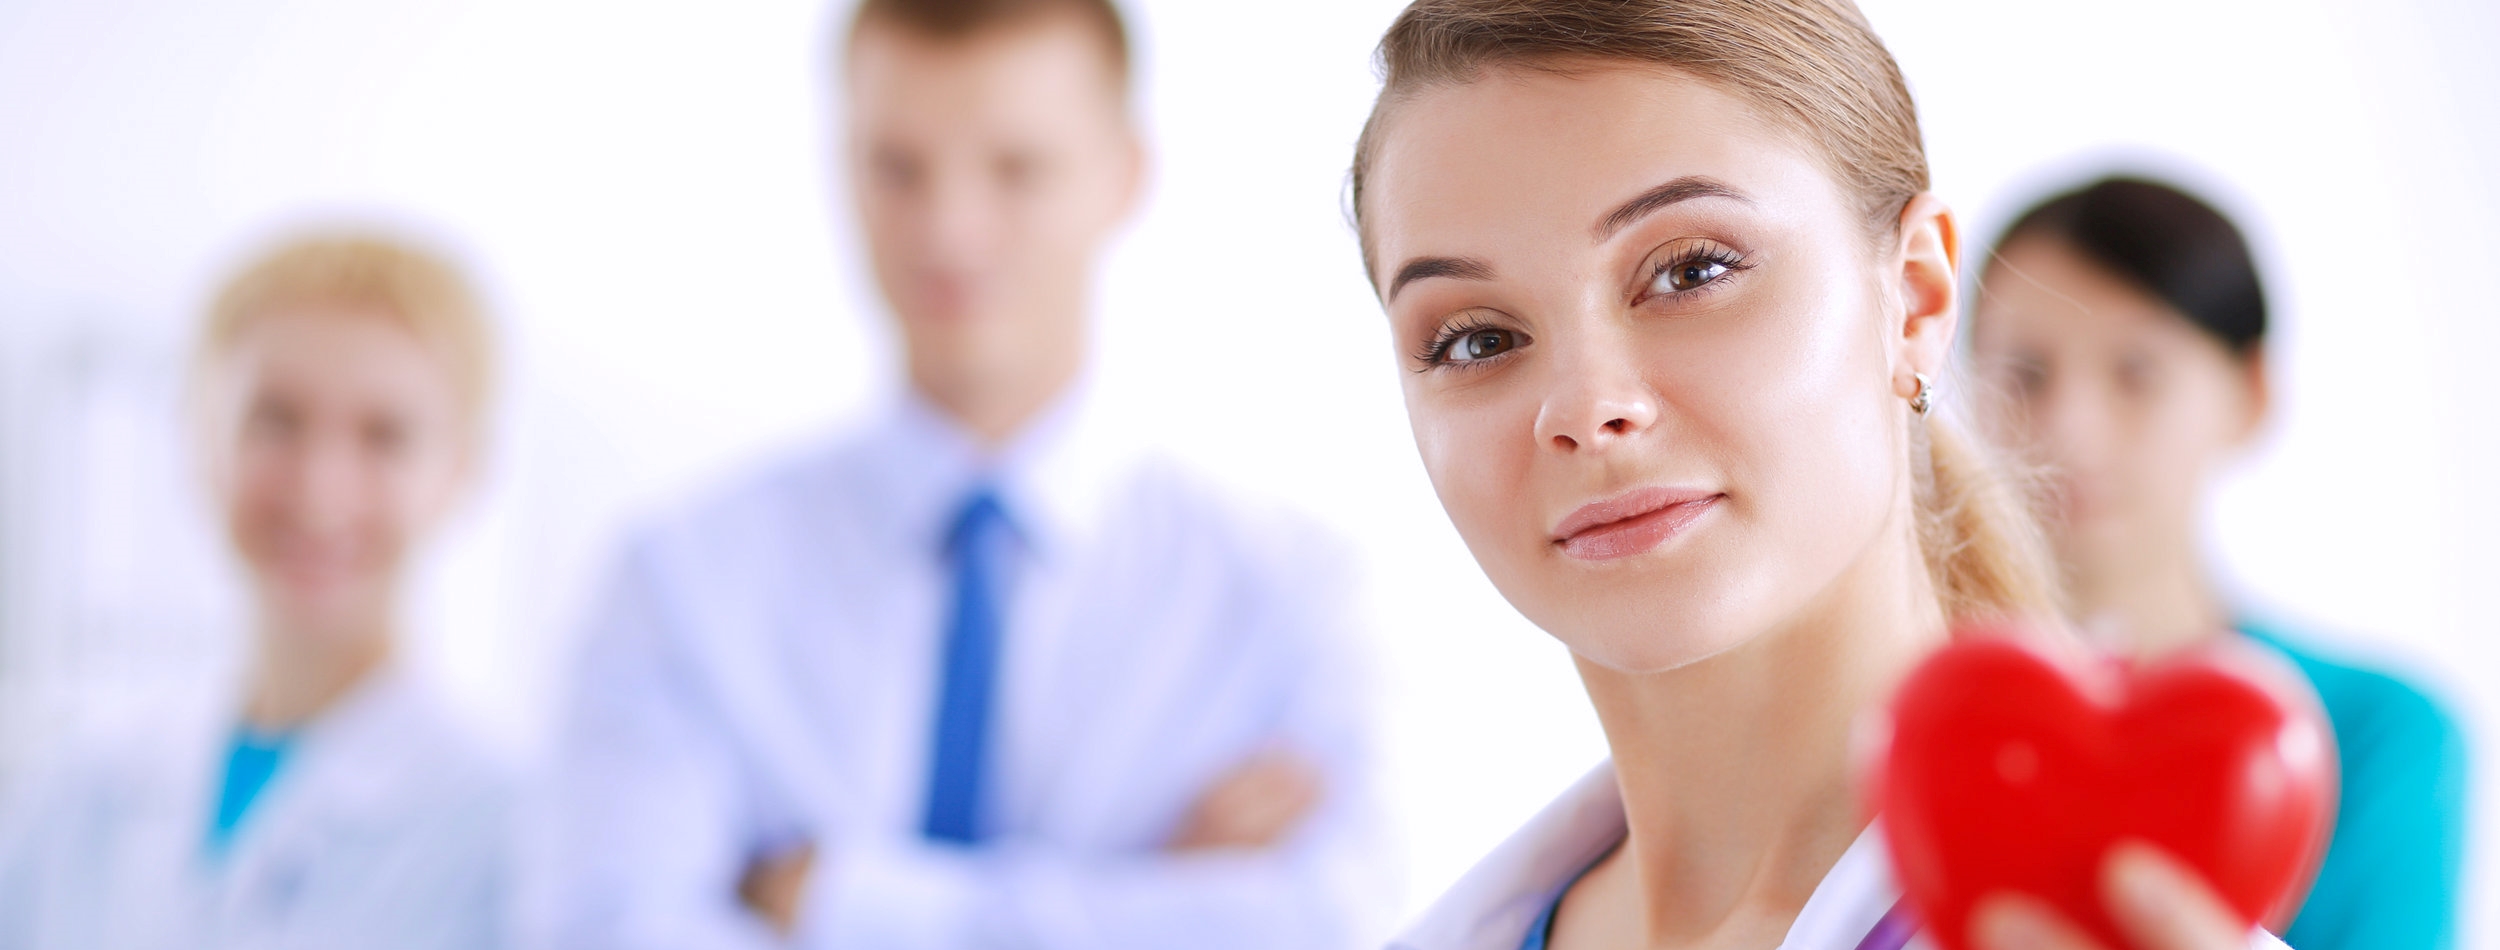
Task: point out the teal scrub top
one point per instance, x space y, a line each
1543 928
2390 876
252 759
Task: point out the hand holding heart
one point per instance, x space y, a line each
2035 802
2158 903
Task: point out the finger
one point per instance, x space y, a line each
1289 796
1291 790
1256 788
1202 827
1248 824
2165 905
1283 782
802 864
1208 825
2008 921
1249 805
756 879
1297 802
1244 783
1300 783
1265 821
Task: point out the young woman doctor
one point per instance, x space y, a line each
323 799
1673 308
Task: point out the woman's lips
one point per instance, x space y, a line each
1630 523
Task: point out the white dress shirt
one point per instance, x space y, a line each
764 670
1494 904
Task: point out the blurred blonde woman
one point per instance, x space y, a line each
1674 307
325 799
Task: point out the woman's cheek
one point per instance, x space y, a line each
1474 461
1447 456
1795 412
257 492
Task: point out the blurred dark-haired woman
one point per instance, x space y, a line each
2125 325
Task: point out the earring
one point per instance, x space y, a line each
1926 398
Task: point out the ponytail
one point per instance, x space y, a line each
1985 552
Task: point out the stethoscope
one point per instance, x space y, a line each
1891 931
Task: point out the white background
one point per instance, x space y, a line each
646 190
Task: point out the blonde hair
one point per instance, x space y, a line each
1976 526
366 272
1816 67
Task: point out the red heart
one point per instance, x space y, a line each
2010 768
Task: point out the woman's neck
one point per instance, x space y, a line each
2150 602
296 677
1735 770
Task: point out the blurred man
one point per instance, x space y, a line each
980 673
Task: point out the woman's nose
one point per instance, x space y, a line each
2072 421
326 485
1599 400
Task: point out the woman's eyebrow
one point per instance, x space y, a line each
1461 268
1649 202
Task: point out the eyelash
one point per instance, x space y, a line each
1432 354
1733 261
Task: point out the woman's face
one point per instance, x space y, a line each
2129 406
1655 361
336 442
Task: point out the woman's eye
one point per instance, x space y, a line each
1479 344
271 421
1688 275
2030 377
2137 374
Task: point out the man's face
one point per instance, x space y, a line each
988 171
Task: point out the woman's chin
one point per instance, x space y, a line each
1649 649
320 611
1654 623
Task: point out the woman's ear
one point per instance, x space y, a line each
1136 178
462 479
2256 395
1929 256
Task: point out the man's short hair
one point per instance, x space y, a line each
953 20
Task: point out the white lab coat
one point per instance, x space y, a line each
383 827
1492 907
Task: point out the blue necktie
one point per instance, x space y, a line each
974 551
